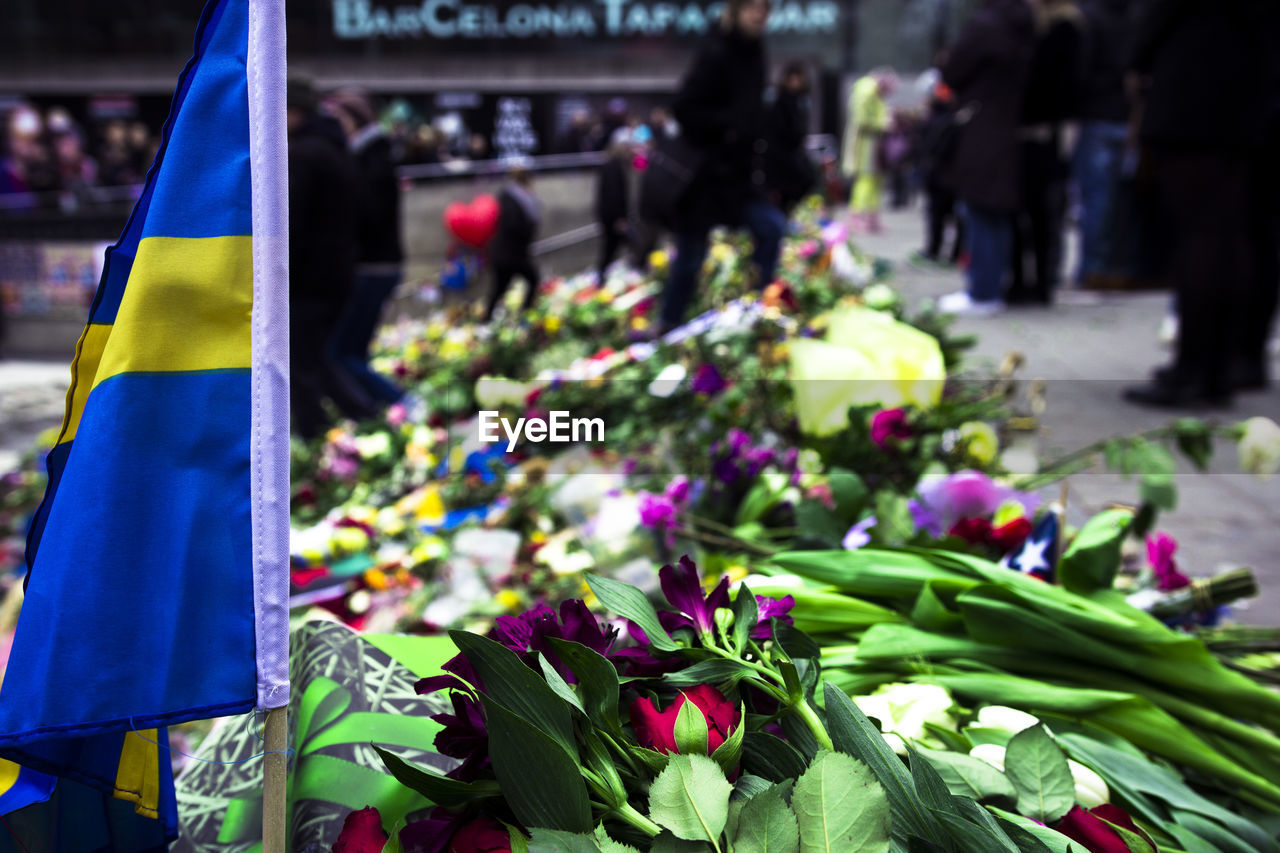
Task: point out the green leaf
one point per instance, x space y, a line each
1020 828
729 754
1195 440
597 681
1039 773
557 683
519 844
976 814
1219 839
654 760
691 730
555 797
929 785
630 603
716 671
559 841
608 845
966 776
748 786
1091 561
745 615
767 825
853 734
818 525
770 757
668 843
849 492
840 807
691 798
894 523
510 683
969 836
873 572
1135 842
437 789
1160 491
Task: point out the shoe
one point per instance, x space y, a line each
1165 394
961 304
1168 333
1250 376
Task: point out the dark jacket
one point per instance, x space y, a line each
1208 62
720 108
1109 31
379 233
611 193
789 173
517 229
324 204
1057 68
987 70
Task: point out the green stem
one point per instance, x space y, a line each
810 718
763 670
628 813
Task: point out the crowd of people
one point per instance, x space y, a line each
50 160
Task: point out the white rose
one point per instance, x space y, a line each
905 709
1259 447
1005 719
1090 789
990 753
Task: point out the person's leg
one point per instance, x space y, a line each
306 366
957 224
936 221
682 279
990 244
533 283
767 226
502 275
349 346
610 241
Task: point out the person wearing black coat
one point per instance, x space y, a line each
721 111
987 70
378 269
510 253
612 204
324 201
789 173
1052 98
1205 73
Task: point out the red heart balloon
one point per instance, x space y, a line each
474 224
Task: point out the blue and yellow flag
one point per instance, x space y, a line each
157 584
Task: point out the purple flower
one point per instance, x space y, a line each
464 736
683 589
888 427
857 537
771 608
726 470
1160 550
677 490
759 458
707 380
965 494
657 512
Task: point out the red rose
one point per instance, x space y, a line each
1008 536
482 835
361 833
888 427
1090 828
975 531
657 729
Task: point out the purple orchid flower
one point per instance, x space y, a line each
657 512
768 609
708 380
678 490
683 589
858 537
964 494
465 735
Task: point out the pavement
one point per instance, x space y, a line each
1086 349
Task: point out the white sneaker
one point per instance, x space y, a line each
1168 334
960 303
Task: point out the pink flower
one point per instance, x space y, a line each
657 512
396 414
657 729
888 427
1160 550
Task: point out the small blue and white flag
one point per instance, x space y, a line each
1038 556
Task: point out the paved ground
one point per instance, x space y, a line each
1086 348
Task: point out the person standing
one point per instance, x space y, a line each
378 267
1104 117
511 252
721 112
788 170
613 211
1201 70
866 126
987 70
324 200
1051 99
936 143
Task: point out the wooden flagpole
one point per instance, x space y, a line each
274 790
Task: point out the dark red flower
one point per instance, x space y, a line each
975 531
482 835
361 833
657 729
1011 534
888 427
1089 828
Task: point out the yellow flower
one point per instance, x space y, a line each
639 324
605 296
1007 512
658 260
509 599
980 442
537 537
350 540
553 324
721 253
377 579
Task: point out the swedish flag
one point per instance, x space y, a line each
157 584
